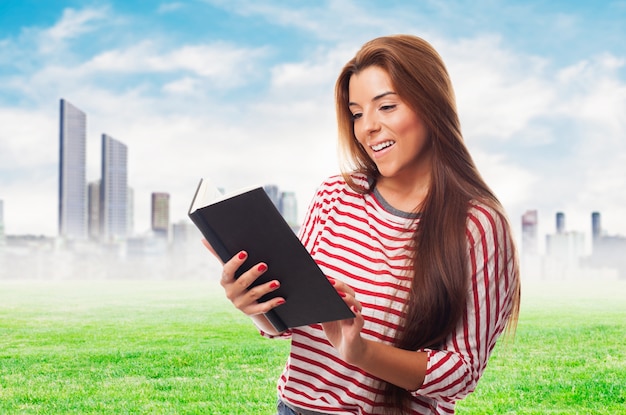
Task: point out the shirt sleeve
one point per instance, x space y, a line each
453 371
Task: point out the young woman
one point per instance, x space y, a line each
411 237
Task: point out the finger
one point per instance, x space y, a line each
229 269
262 308
249 302
341 286
246 279
258 291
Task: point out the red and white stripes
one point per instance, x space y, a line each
362 241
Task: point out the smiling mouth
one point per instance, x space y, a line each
382 146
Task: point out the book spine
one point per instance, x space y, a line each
276 321
211 237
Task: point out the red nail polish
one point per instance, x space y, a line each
332 281
241 255
279 302
274 284
342 294
262 268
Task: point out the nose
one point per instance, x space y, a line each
369 123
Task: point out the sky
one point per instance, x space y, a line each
241 92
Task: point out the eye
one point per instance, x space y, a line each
356 116
387 107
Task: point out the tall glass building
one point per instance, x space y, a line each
289 208
93 209
114 190
530 241
72 172
160 218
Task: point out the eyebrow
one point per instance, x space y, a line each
376 98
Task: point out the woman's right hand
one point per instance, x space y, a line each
238 291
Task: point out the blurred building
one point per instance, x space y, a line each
184 235
160 213
566 246
2 237
560 222
114 190
289 209
274 194
608 251
286 203
72 172
130 212
93 209
530 241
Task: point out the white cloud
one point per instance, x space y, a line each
226 63
22 139
498 91
544 136
73 23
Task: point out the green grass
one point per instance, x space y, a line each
147 347
568 355
131 347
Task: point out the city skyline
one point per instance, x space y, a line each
242 93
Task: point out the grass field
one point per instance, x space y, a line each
145 347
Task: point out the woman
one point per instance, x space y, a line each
410 236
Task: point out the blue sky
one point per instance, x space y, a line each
241 91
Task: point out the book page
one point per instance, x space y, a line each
208 194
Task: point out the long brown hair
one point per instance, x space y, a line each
440 284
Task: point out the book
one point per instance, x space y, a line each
248 220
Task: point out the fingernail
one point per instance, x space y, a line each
241 255
274 284
262 268
341 293
332 281
279 302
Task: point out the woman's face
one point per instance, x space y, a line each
391 133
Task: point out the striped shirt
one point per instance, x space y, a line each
364 242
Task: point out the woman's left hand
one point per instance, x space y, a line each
345 335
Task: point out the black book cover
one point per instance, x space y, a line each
249 221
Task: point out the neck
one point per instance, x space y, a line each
405 194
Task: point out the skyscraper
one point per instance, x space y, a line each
114 190
72 172
560 222
274 194
529 233
596 226
161 213
289 208
93 209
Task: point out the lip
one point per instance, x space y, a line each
384 150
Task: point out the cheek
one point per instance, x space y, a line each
359 137
416 131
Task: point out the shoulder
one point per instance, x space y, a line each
337 184
486 221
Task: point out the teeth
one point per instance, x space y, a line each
383 145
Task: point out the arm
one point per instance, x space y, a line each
403 368
451 372
455 369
